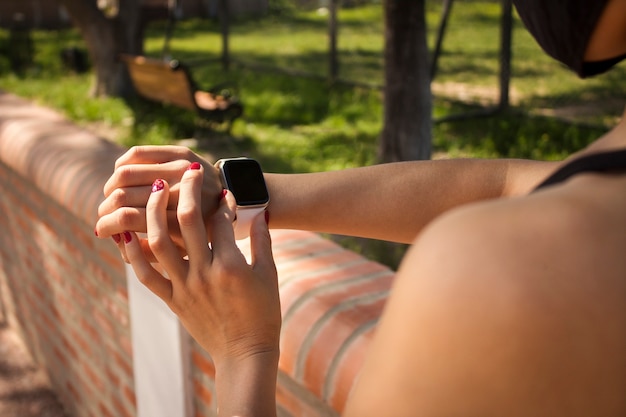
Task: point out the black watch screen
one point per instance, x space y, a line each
244 178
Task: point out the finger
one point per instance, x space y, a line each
132 197
118 239
147 252
189 214
122 219
153 154
135 175
261 246
124 197
161 244
147 275
130 218
222 235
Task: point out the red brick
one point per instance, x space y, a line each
330 339
292 400
74 392
202 392
347 371
121 409
203 364
112 378
72 353
126 345
121 293
104 324
60 356
123 364
297 326
92 376
104 410
81 343
117 313
129 394
90 331
295 289
315 263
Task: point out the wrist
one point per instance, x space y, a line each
246 386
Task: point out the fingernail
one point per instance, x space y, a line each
267 217
95 232
157 185
116 237
222 194
194 165
127 237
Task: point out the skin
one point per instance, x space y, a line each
516 307
216 282
315 201
507 303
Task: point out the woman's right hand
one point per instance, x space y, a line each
230 307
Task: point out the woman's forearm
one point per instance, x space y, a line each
393 201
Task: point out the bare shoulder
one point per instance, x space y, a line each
580 223
500 303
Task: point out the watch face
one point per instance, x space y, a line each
244 178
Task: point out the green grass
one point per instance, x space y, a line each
304 124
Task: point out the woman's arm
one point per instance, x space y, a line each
394 201
387 201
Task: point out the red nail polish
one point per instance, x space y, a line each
267 217
222 194
127 237
157 185
116 237
95 232
194 165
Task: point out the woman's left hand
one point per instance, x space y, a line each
230 307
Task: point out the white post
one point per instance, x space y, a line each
160 354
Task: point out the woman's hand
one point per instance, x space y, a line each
127 190
230 307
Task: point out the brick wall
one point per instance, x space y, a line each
66 291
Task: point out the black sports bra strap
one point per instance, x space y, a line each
598 162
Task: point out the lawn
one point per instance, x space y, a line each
305 124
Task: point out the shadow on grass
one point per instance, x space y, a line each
512 134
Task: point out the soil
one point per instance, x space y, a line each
25 390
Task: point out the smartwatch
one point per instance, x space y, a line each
244 178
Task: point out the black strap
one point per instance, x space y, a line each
598 162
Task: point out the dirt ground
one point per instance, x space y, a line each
24 387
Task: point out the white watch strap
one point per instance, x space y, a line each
244 220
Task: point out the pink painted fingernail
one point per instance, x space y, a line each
194 165
222 194
157 185
127 237
116 237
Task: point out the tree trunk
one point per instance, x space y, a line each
506 29
224 16
333 59
407 126
106 38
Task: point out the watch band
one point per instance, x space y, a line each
245 215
